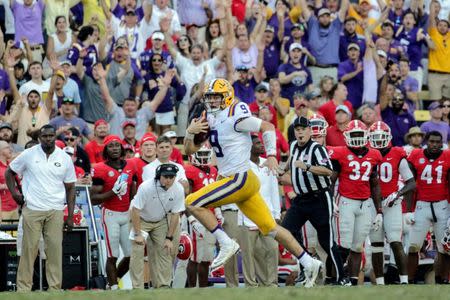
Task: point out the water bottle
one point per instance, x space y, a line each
123 177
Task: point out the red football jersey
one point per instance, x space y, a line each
431 175
103 174
199 177
94 152
139 165
355 171
389 170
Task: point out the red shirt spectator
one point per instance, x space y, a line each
238 10
8 205
335 133
261 96
94 148
328 110
176 155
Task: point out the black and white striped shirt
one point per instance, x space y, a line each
316 155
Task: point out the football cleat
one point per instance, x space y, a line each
380 135
225 253
312 272
356 134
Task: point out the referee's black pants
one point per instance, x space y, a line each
316 208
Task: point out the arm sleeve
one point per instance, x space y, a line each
404 170
248 124
275 198
370 83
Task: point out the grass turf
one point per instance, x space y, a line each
345 293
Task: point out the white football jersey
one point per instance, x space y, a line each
232 147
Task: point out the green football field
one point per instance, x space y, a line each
348 293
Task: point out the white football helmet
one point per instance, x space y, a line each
379 135
202 157
356 134
318 125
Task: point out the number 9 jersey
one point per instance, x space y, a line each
355 171
232 147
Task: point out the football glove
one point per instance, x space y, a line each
377 222
390 200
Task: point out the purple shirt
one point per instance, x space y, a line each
28 22
324 42
297 84
272 58
77 13
178 90
146 56
79 123
4 81
273 21
89 61
441 127
119 12
396 19
412 46
399 124
245 92
355 85
410 84
346 40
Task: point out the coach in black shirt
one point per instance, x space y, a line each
309 173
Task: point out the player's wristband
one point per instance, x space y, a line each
270 142
189 136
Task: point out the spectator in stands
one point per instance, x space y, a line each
281 104
350 72
438 56
129 140
436 124
294 76
261 97
367 114
94 148
84 52
72 138
60 41
68 119
245 53
324 34
328 110
314 98
397 118
335 133
156 48
161 10
245 84
176 155
413 139
266 114
349 36
272 48
36 82
71 88
124 78
8 207
409 85
83 178
445 112
300 110
28 25
27 114
395 49
6 134
198 13
326 85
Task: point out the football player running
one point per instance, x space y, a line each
230 123
392 166
358 199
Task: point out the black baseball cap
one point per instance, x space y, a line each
302 122
67 100
168 170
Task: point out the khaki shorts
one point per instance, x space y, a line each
438 85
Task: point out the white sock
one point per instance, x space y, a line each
305 260
114 287
403 278
220 235
380 280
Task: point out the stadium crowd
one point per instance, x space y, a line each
121 80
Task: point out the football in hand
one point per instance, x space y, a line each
201 137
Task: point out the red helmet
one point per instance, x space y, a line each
78 217
356 134
202 157
379 135
185 248
318 125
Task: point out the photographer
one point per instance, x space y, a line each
155 216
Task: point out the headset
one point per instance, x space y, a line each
162 167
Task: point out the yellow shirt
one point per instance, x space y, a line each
359 30
55 8
26 119
439 59
93 8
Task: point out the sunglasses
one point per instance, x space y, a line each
156 60
446 106
70 139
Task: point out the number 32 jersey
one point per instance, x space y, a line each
355 171
431 178
232 147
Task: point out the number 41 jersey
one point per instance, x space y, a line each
232 147
355 171
431 178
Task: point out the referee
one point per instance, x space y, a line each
309 172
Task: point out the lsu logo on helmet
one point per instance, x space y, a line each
216 87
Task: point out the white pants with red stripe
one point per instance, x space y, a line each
427 215
116 226
204 246
354 222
